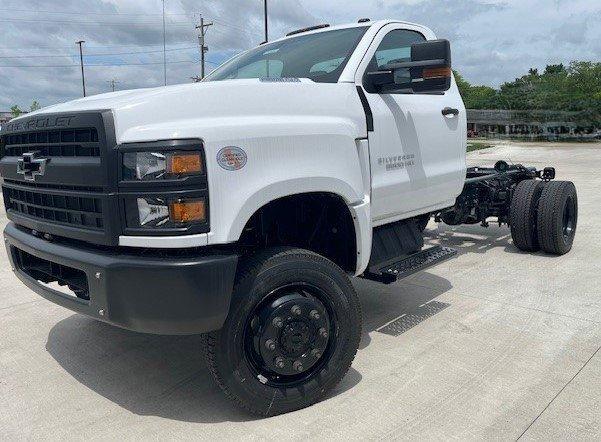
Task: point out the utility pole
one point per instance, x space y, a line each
164 47
83 75
112 82
201 41
266 23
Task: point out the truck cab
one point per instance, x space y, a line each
240 207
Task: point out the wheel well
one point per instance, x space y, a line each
320 222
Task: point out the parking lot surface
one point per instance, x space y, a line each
494 344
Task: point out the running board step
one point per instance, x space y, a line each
410 264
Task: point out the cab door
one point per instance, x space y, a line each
417 153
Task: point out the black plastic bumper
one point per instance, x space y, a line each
149 294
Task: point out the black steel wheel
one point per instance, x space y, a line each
557 217
287 338
291 335
523 215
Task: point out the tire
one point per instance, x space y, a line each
241 359
523 215
557 217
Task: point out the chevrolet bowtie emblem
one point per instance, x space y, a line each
31 166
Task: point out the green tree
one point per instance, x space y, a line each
15 111
575 88
475 97
34 106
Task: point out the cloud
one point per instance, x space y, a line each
493 40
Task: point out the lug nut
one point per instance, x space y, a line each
316 353
277 322
296 310
297 366
323 332
280 362
270 344
314 314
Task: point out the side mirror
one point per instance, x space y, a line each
428 71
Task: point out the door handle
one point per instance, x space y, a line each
449 111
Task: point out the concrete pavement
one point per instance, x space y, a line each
495 344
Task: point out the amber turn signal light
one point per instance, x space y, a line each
188 211
184 163
437 73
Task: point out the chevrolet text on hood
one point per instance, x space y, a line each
39 123
241 207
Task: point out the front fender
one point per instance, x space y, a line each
272 192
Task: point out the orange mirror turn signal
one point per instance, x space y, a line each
431 73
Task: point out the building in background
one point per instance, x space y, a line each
5 117
534 124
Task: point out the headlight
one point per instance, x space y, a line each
156 166
159 212
152 212
163 188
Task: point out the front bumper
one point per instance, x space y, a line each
166 294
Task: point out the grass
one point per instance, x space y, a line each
476 146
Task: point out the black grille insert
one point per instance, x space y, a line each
54 143
54 186
77 211
48 272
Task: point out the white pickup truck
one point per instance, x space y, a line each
240 207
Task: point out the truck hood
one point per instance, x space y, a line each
179 111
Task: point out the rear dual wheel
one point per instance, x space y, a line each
523 215
544 216
557 217
291 335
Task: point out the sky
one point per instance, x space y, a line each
493 41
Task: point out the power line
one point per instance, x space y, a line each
117 23
229 25
144 45
87 13
93 23
214 63
98 55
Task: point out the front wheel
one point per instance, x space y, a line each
291 335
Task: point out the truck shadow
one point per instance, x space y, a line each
166 376
383 304
473 238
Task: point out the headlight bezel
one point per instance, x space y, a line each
132 225
190 187
164 147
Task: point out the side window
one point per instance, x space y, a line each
396 48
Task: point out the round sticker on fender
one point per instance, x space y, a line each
231 158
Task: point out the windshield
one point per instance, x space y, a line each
320 57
